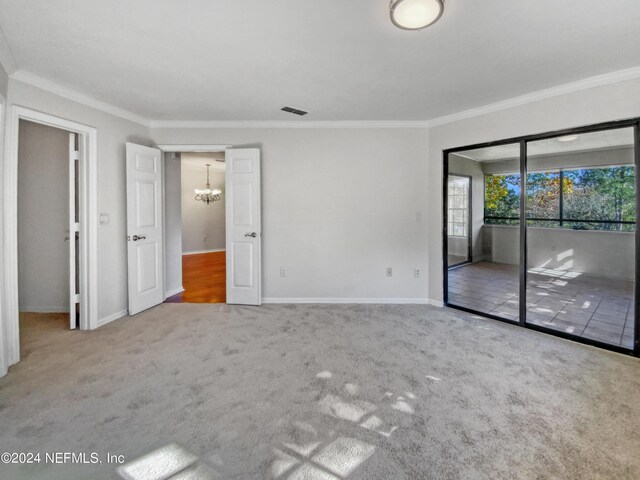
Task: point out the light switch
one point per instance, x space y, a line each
104 219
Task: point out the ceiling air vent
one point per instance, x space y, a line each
295 111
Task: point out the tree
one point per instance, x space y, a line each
501 197
604 194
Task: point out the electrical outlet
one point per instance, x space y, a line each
283 272
417 273
204 238
389 272
418 217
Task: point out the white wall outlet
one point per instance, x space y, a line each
104 219
389 272
283 272
418 216
204 238
417 273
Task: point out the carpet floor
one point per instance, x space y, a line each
317 392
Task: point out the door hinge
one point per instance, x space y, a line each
76 227
76 298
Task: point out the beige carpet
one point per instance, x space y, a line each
319 392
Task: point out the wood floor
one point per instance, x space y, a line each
204 278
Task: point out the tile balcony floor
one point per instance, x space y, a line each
581 304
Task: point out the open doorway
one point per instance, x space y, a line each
202 231
82 148
48 240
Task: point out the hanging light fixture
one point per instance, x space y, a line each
415 14
207 195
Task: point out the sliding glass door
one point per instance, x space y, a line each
581 235
487 281
570 267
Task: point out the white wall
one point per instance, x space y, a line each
43 218
585 107
4 82
605 254
173 224
339 206
113 133
203 226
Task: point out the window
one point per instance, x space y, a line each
458 206
581 199
502 199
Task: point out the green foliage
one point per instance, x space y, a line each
596 194
602 194
501 200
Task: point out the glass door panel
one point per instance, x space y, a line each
482 261
580 213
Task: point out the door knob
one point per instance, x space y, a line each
136 238
252 234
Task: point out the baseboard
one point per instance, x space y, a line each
195 252
173 292
112 317
397 301
436 303
44 309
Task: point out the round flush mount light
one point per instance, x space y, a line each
568 138
415 14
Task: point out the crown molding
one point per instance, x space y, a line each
567 88
289 124
70 94
60 90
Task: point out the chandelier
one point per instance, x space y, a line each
207 195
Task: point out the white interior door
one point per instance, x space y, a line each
242 199
144 227
74 230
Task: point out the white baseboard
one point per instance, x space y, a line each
112 317
436 303
195 252
173 292
44 309
397 301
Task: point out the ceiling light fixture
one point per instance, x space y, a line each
207 195
415 14
568 138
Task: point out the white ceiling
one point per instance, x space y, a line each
341 60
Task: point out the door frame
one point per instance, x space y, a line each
88 200
177 148
523 142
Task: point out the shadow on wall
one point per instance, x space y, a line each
608 254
